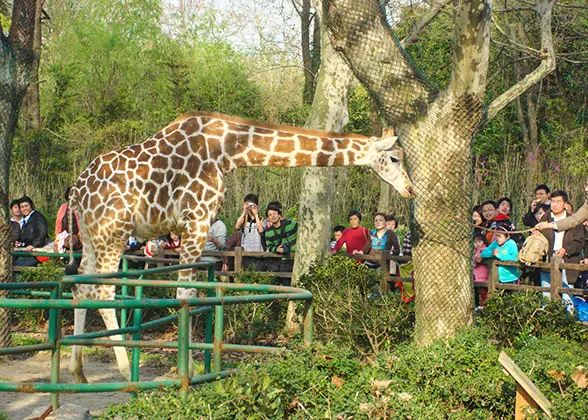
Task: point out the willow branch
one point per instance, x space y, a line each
425 20
543 9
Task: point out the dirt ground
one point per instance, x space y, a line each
36 368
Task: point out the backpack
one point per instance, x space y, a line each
534 249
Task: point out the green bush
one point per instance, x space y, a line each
350 310
34 319
517 319
457 378
246 323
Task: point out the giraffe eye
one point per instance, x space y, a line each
394 159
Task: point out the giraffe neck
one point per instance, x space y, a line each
250 143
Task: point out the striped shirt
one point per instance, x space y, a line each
284 235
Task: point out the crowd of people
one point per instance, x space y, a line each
495 237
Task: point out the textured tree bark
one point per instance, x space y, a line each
436 131
31 108
328 112
15 64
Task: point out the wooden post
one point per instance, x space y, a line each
492 277
238 258
556 278
529 398
385 269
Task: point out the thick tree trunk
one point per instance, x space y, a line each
16 57
436 134
328 112
31 107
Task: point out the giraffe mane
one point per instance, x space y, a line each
280 127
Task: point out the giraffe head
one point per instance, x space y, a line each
387 159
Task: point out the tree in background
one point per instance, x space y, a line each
16 61
436 129
328 112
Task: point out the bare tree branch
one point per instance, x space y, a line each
543 9
512 41
425 20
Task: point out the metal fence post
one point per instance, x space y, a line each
124 291
218 332
209 323
136 351
184 349
54 338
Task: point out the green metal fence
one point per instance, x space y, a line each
212 306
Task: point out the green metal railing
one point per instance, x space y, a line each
212 306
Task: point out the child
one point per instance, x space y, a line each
337 233
504 249
480 270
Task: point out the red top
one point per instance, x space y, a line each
355 238
60 214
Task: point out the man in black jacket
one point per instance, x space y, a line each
33 233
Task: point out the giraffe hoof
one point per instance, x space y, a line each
81 379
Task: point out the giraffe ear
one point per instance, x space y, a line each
386 143
388 132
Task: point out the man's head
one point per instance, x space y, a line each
558 202
542 193
489 210
26 205
354 218
338 232
386 158
569 207
251 198
274 213
504 206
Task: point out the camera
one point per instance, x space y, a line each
251 204
286 248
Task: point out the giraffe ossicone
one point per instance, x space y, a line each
174 181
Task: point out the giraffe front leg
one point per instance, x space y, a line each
190 253
75 364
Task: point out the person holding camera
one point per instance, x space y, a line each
280 238
251 227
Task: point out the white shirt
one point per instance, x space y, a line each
558 236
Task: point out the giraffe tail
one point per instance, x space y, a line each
71 268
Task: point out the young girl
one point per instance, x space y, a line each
503 249
480 270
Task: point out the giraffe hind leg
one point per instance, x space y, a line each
107 262
76 364
81 292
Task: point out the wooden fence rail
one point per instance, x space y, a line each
555 267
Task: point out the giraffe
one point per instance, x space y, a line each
174 182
